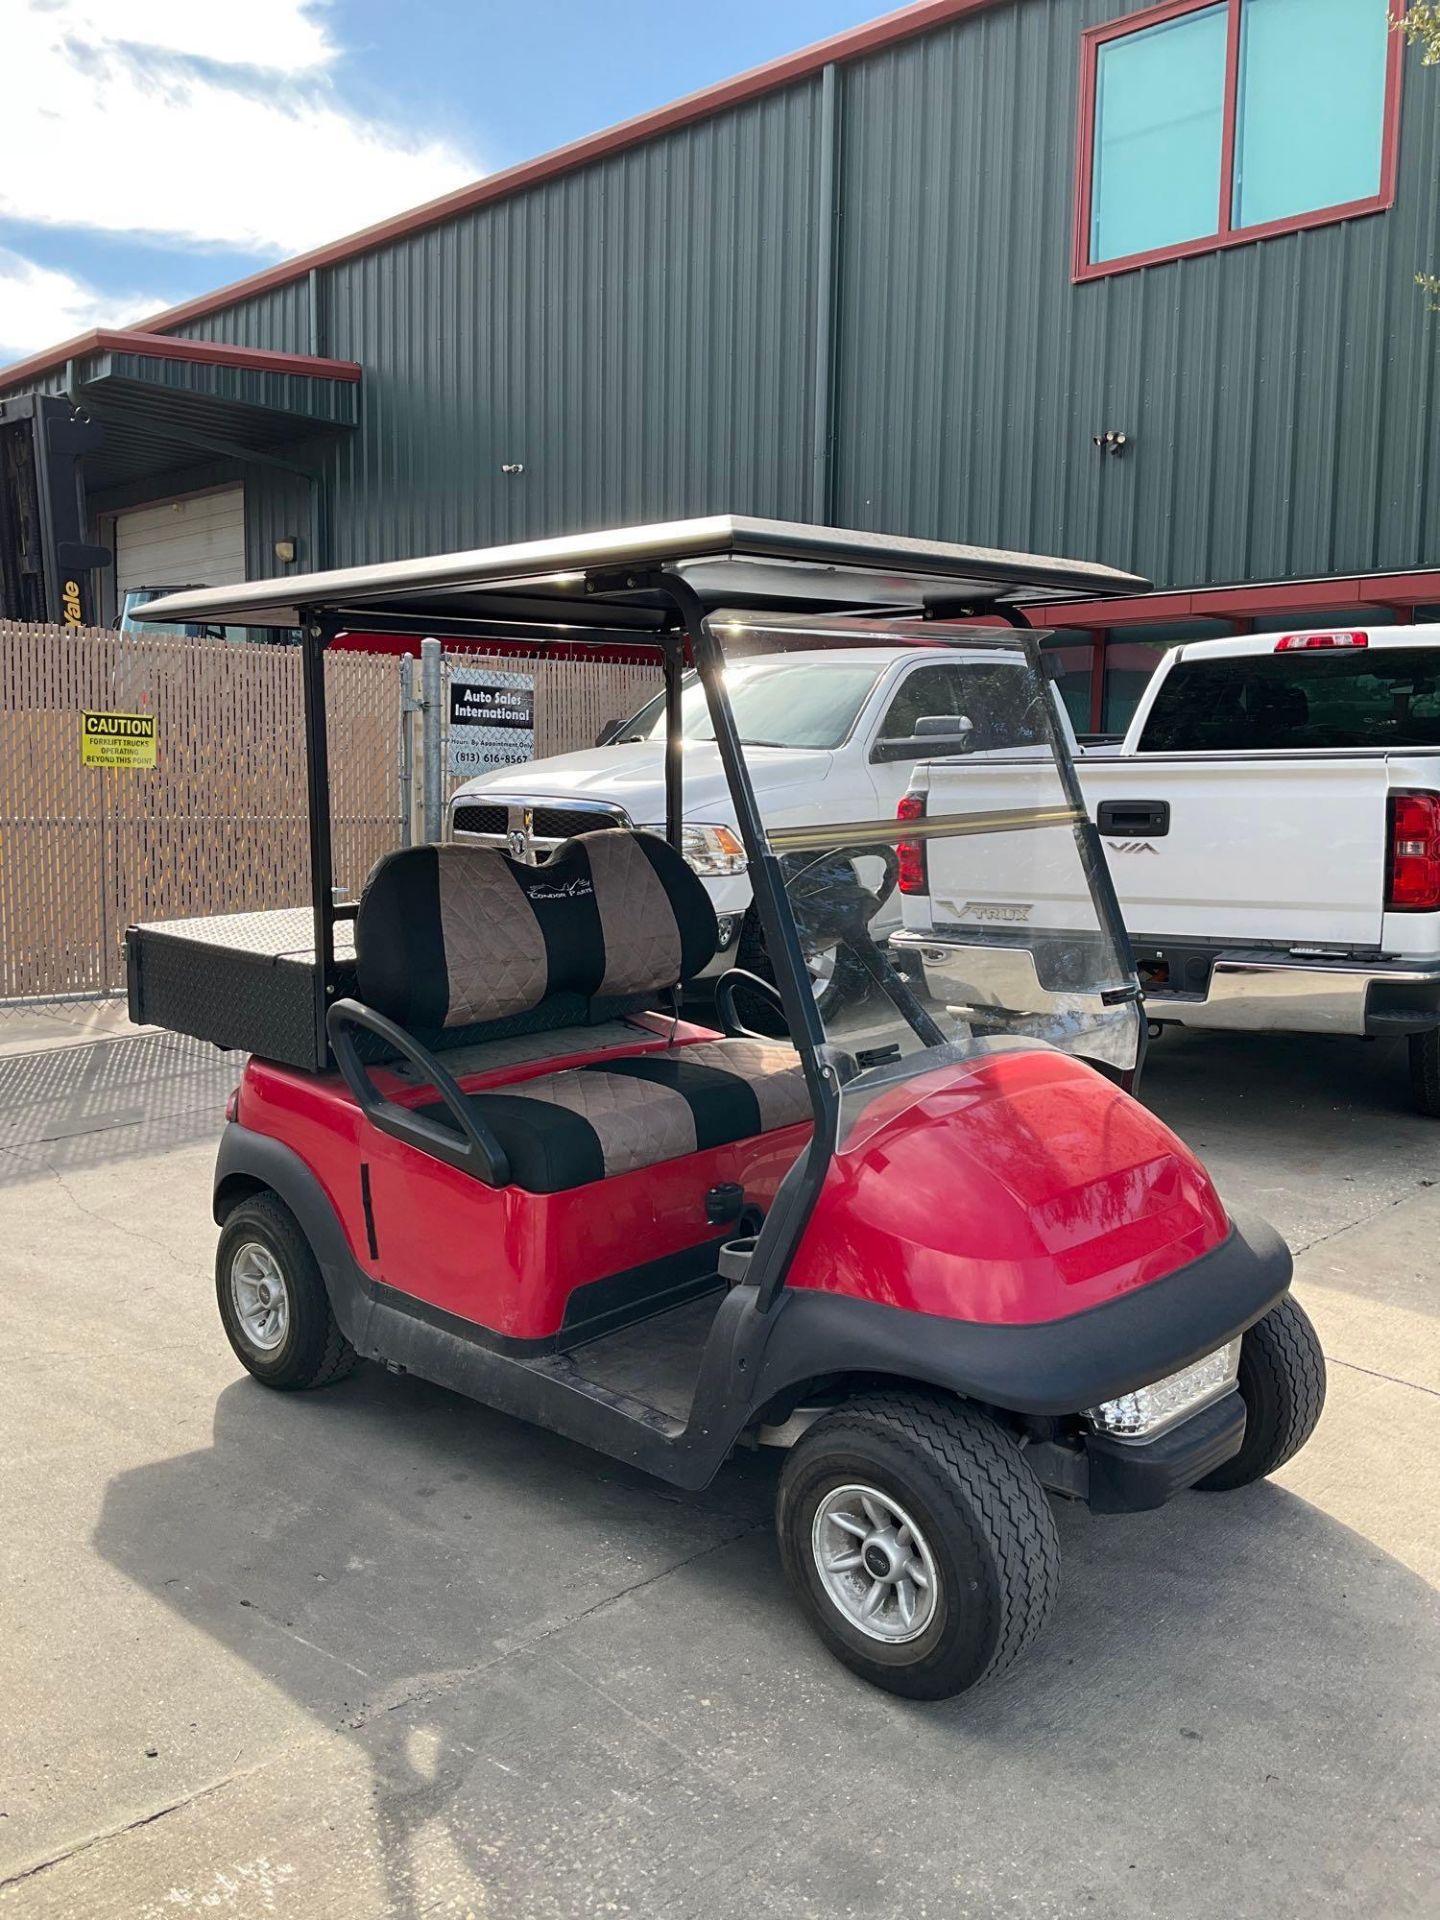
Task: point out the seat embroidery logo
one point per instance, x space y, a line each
577 889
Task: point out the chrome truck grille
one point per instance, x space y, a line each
527 829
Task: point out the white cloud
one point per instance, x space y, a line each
109 123
40 305
283 34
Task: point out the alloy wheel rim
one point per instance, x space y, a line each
260 1296
875 1564
821 969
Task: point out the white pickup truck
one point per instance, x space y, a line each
1271 820
1272 824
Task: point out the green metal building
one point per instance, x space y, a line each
1130 283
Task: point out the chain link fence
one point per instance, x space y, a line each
200 807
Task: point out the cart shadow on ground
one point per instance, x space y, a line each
523 1639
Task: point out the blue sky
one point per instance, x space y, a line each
153 149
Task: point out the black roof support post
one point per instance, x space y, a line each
316 634
674 744
800 1189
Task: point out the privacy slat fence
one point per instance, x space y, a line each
219 824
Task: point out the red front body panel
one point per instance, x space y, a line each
504 1258
1010 1189
1013 1188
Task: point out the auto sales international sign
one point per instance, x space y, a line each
117 739
492 720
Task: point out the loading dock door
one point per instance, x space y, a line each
195 542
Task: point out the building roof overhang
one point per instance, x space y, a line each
163 403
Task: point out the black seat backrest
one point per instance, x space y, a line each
453 936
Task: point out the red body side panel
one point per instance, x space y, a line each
1010 1189
505 1259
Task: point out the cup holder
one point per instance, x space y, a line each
735 1258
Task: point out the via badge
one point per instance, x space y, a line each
117 739
492 720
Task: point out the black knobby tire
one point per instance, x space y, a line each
848 983
1282 1382
1425 1072
984 1514
313 1352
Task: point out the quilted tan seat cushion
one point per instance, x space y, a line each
567 1129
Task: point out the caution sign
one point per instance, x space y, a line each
117 739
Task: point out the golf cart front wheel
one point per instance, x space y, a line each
918 1542
272 1299
1282 1382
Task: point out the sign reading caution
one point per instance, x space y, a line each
117 739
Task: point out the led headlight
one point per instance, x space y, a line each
712 851
1153 1410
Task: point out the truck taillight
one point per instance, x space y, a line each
1307 642
1414 853
914 874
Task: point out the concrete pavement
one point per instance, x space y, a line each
379 1652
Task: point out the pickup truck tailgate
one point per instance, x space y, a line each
1250 848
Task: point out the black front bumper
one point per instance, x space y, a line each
1128 1476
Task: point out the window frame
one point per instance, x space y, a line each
1226 233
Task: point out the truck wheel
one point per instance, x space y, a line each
273 1303
836 976
918 1541
1425 1071
1282 1382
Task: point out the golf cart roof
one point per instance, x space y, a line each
594 585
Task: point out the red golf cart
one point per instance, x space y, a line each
935 1249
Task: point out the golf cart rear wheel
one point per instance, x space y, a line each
273 1303
1282 1382
918 1541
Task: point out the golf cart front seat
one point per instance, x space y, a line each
448 937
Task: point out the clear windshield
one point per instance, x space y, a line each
776 702
944 885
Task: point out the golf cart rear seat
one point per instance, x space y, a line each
451 937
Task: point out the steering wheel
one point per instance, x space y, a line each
831 903
740 979
833 909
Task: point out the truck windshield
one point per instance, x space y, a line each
1351 697
958 905
777 703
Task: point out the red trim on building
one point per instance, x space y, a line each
161 346
1400 590
770 78
1226 234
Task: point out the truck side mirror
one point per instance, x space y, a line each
935 736
946 726
608 732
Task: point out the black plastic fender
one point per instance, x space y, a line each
248 1159
1051 1367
